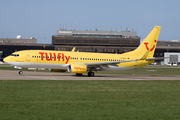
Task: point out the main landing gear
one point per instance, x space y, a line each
90 74
78 74
20 72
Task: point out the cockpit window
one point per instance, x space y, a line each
15 55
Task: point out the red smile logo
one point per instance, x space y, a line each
146 44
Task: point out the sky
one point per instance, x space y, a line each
42 18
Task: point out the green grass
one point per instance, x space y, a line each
89 100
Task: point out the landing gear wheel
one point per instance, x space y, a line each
20 72
91 74
78 74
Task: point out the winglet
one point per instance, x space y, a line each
73 49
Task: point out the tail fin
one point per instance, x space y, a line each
149 43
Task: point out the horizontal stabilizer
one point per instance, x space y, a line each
159 58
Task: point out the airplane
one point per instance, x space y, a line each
85 62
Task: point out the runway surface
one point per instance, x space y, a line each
30 75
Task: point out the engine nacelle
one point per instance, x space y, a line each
77 68
57 70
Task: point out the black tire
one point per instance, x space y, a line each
90 74
20 72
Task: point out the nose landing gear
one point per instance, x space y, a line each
20 72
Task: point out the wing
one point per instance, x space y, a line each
106 64
114 63
109 63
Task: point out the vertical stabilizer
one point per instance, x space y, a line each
149 44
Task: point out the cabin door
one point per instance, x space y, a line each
28 56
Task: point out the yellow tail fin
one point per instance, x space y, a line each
149 44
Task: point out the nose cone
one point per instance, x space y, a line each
6 59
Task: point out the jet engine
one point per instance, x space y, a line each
77 68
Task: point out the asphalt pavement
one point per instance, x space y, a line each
31 75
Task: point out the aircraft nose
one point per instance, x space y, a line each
6 59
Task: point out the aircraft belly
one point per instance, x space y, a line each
47 65
20 64
38 65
